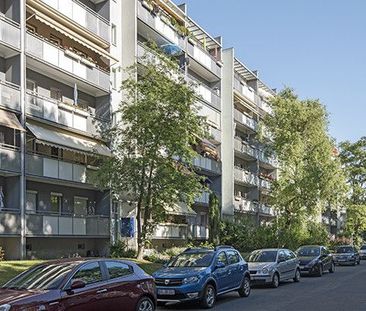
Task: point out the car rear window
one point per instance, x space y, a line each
118 269
345 249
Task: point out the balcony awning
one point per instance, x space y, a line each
180 209
9 119
64 140
43 18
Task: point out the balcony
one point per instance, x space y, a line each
9 222
244 90
207 94
66 66
245 149
170 231
160 24
270 161
202 56
67 115
265 184
198 232
66 225
204 198
83 16
266 210
41 166
9 159
9 36
10 95
244 120
245 177
244 205
207 164
215 134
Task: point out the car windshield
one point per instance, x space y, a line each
308 251
346 249
194 260
47 276
363 247
263 256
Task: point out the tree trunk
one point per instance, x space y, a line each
140 240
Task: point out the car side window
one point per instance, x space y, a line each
233 257
89 273
118 269
324 251
221 257
281 256
288 254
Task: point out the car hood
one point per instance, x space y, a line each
12 295
260 265
305 260
172 273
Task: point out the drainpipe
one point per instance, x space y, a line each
23 134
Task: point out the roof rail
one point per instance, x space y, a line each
196 248
223 246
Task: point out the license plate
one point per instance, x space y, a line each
167 292
341 259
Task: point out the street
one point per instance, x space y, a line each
342 291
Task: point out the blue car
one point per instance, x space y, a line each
201 274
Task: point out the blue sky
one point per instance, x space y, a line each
317 47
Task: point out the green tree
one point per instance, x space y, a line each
214 219
310 175
157 125
353 157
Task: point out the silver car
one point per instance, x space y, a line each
362 252
273 265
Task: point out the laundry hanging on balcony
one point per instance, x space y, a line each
171 49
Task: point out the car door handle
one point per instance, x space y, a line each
102 291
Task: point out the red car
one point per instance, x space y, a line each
79 284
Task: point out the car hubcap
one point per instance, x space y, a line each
297 275
210 296
146 306
246 286
275 280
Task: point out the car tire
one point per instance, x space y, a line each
354 263
244 290
332 268
297 276
145 304
359 261
209 297
320 271
275 280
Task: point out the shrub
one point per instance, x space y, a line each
2 254
120 250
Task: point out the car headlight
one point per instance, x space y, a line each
190 280
5 307
312 263
266 270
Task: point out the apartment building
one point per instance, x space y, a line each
247 170
55 60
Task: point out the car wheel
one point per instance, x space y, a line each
332 268
244 290
297 276
320 270
145 304
209 297
359 261
354 263
275 280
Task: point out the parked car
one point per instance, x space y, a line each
271 266
345 255
315 259
78 284
362 252
201 274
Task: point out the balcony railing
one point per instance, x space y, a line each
9 159
9 32
245 177
83 16
9 222
204 58
206 93
271 160
70 116
204 198
243 119
244 205
207 164
199 232
215 133
47 167
171 231
244 148
64 60
158 24
10 95
66 225
265 184
264 209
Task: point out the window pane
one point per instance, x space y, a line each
89 273
31 204
117 269
80 206
56 203
233 257
222 258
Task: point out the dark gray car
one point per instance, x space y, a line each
346 255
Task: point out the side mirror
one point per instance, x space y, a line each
76 284
220 265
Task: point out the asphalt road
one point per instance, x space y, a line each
345 290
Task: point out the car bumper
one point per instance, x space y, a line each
260 279
309 270
181 294
362 256
344 261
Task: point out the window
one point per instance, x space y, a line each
56 202
222 258
2 137
31 86
80 206
114 78
289 255
281 256
90 273
56 94
233 257
118 269
31 204
114 34
55 40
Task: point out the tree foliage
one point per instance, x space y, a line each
157 124
310 175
